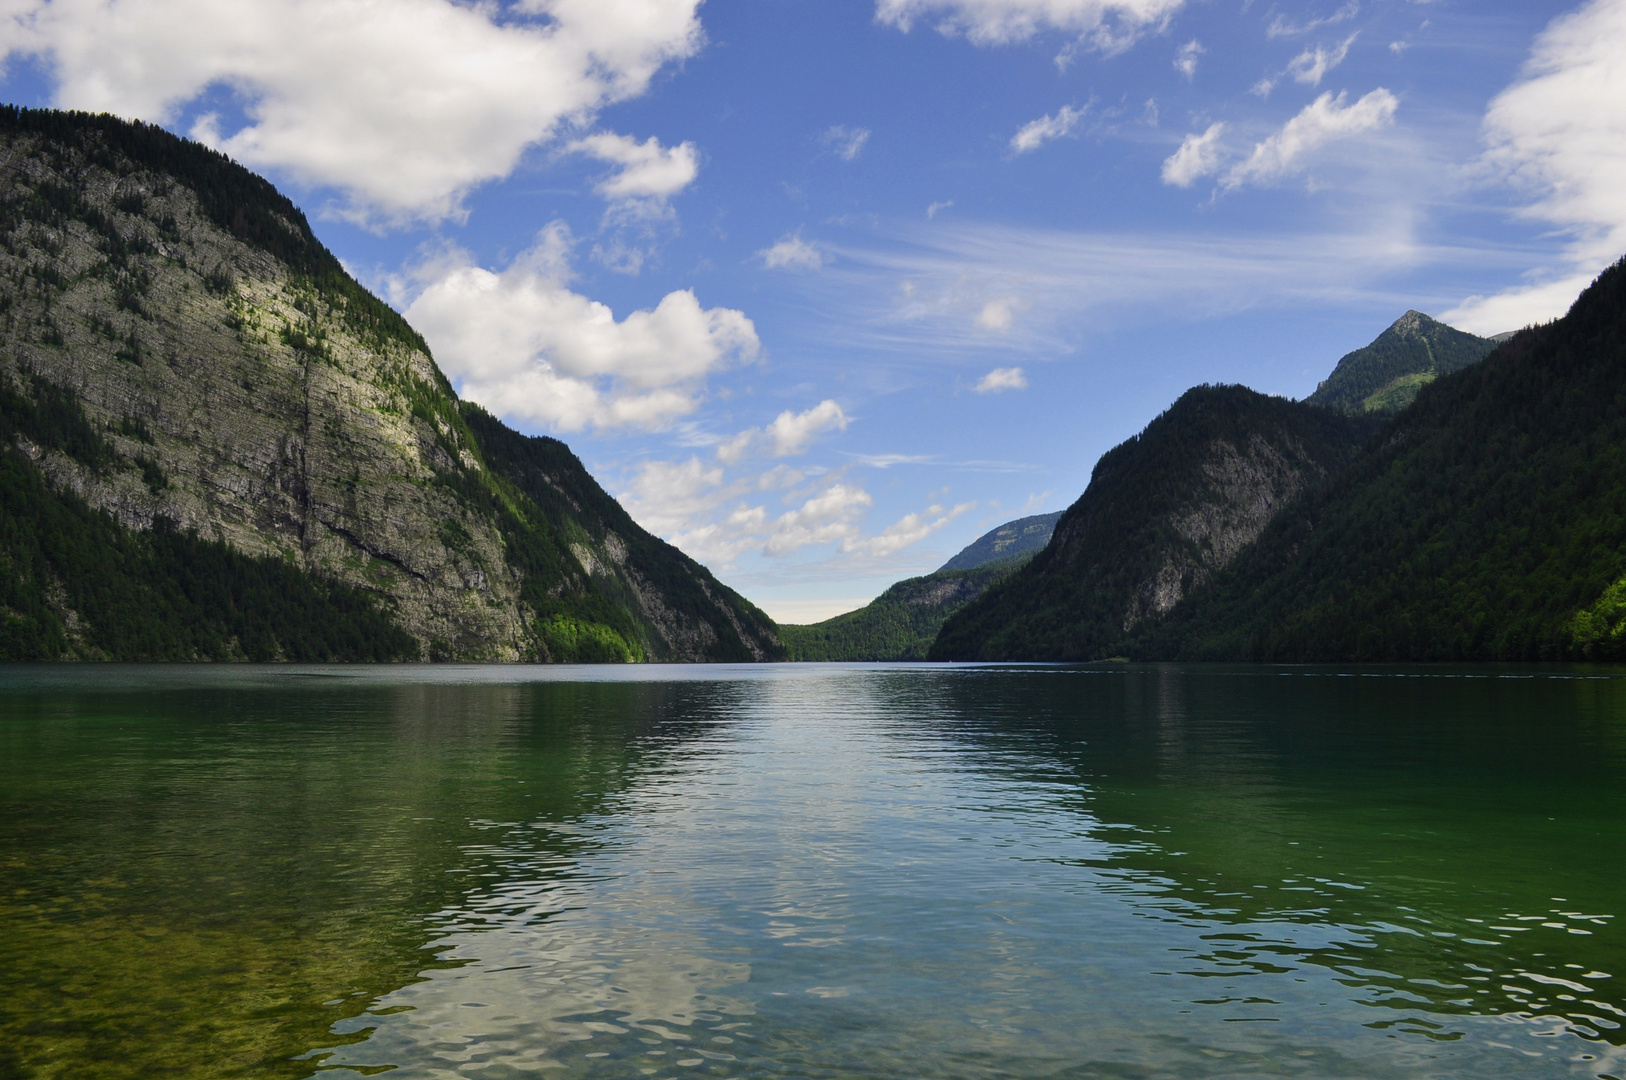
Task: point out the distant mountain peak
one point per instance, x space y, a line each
1412 321
1385 376
1008 541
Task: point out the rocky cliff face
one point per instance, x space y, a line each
252 393
1162 515
1240 490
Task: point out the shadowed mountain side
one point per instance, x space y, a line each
1024 536
902 622
189 379
1163 513
679 607
1385 376
1489 522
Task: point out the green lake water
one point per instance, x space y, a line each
812 871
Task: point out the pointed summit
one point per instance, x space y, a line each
1386 375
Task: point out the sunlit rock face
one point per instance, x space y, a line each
252 392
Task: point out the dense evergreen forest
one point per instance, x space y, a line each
150 595
1487 523
902 622
1161 512
1385 376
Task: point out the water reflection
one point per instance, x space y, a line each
817 871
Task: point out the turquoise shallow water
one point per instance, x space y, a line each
812 871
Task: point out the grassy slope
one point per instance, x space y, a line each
1491 512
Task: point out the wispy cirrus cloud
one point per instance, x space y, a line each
921 291
1280 26
999 379
1285 152
1308 67
846 142
1557 136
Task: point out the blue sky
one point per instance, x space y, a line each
823 289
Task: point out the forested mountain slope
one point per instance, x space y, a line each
1384 377
1162 514
1022 537
218 445
902 622
1488 522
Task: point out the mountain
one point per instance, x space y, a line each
1163 513
902 622
1487 523
1385 376
1024 536
216 444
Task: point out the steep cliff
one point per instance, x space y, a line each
233 385
1163 513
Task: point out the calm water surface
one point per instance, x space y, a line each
812 871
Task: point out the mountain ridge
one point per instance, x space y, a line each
1385 375
191 361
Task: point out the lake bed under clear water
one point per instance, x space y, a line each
812 871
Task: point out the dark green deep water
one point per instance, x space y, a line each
810 871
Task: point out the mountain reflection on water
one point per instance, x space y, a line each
813 871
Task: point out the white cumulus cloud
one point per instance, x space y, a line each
907 531
403 106
1324 120
650 173
521 343
996 314
1558 135
1198 156
790 434
1185 61
1002 378
1036 133
1110 25
827 517
792 253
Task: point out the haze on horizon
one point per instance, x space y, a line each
824 290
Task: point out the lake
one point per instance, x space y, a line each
812 871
